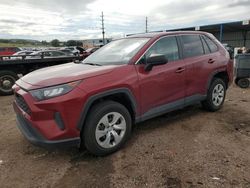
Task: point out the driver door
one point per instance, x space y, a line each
164 85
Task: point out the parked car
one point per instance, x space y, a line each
21 53
80 49
242 70
67 52
73 49
89 51
8 50
46 54
95 103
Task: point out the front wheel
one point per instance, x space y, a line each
107 128
215 95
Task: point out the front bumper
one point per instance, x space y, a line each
37 139
50 123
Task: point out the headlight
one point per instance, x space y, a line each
54 91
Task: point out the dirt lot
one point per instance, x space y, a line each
187 148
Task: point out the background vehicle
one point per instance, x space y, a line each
21 54
11 68
46 54
127 81
80 49
8 50
230 49
89 51
73 50
242 70
67 52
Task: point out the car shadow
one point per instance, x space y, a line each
169 118
81 154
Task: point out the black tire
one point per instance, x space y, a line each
9 77
209 103
243 83
236 80
94 117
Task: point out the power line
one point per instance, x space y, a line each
103 30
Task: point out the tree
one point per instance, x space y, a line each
74 43
78 43
44 42
71 43
55 43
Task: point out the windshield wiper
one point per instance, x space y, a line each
95 64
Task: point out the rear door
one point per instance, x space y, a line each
164 84
199 64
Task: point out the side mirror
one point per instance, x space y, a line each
155 60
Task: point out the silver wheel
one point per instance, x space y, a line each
218 94
110 130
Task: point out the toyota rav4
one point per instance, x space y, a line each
95 102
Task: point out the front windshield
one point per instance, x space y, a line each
117 52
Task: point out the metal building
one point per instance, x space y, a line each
89 43
236 34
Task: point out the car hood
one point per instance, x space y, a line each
64 73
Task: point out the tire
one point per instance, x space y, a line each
236 80
243 83
7 80
215 96
102 134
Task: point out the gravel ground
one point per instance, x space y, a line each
186 148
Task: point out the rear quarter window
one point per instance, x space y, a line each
192 45
211 44
205 46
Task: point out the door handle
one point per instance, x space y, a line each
210 61
179 70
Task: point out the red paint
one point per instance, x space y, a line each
8 50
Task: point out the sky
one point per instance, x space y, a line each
81 19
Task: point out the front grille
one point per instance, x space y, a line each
22 104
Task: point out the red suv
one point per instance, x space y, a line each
95 103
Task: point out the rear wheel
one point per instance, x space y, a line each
107 128
7 80
243 83
215 96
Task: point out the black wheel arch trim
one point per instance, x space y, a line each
97 96
211 76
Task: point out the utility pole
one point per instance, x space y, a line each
103 31
146 24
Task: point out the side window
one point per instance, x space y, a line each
211 44
205 46
16 50
47 54
57 53
192 45
166 46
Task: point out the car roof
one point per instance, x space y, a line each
49 51
24 51
160 34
